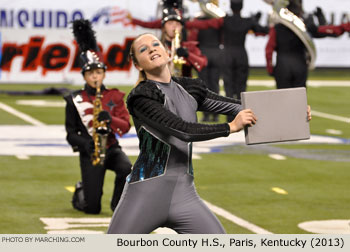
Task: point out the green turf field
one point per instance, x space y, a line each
312 181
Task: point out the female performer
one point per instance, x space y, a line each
160 191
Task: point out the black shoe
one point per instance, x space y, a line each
78 200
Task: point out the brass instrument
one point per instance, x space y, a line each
281 14
177 62
99 130
211 8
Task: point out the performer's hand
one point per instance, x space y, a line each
270 70
244 118
256 17
308 113
89 146
104 116
320 16
182 52
310 24
128 16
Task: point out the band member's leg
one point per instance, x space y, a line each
300 76
92 178
214 75
204 75
282 73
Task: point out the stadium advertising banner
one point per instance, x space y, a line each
37 45
44 56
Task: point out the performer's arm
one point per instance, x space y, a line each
198 62
220 104
195 57
154 114
270 47
74 135
259 30
156 24
192 34
335 30
120 117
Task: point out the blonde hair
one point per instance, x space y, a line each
142 74
142 77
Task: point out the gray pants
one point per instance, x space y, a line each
165 201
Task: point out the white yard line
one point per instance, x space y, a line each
310 83
21 115
330 116
22 157
277 157
243 223
334 131
327 83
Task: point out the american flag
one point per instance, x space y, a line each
112 15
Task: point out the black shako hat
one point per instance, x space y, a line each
85 37
172 14
177 4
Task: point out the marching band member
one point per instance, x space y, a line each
291 69
235 60
79 122
173 20
160 191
